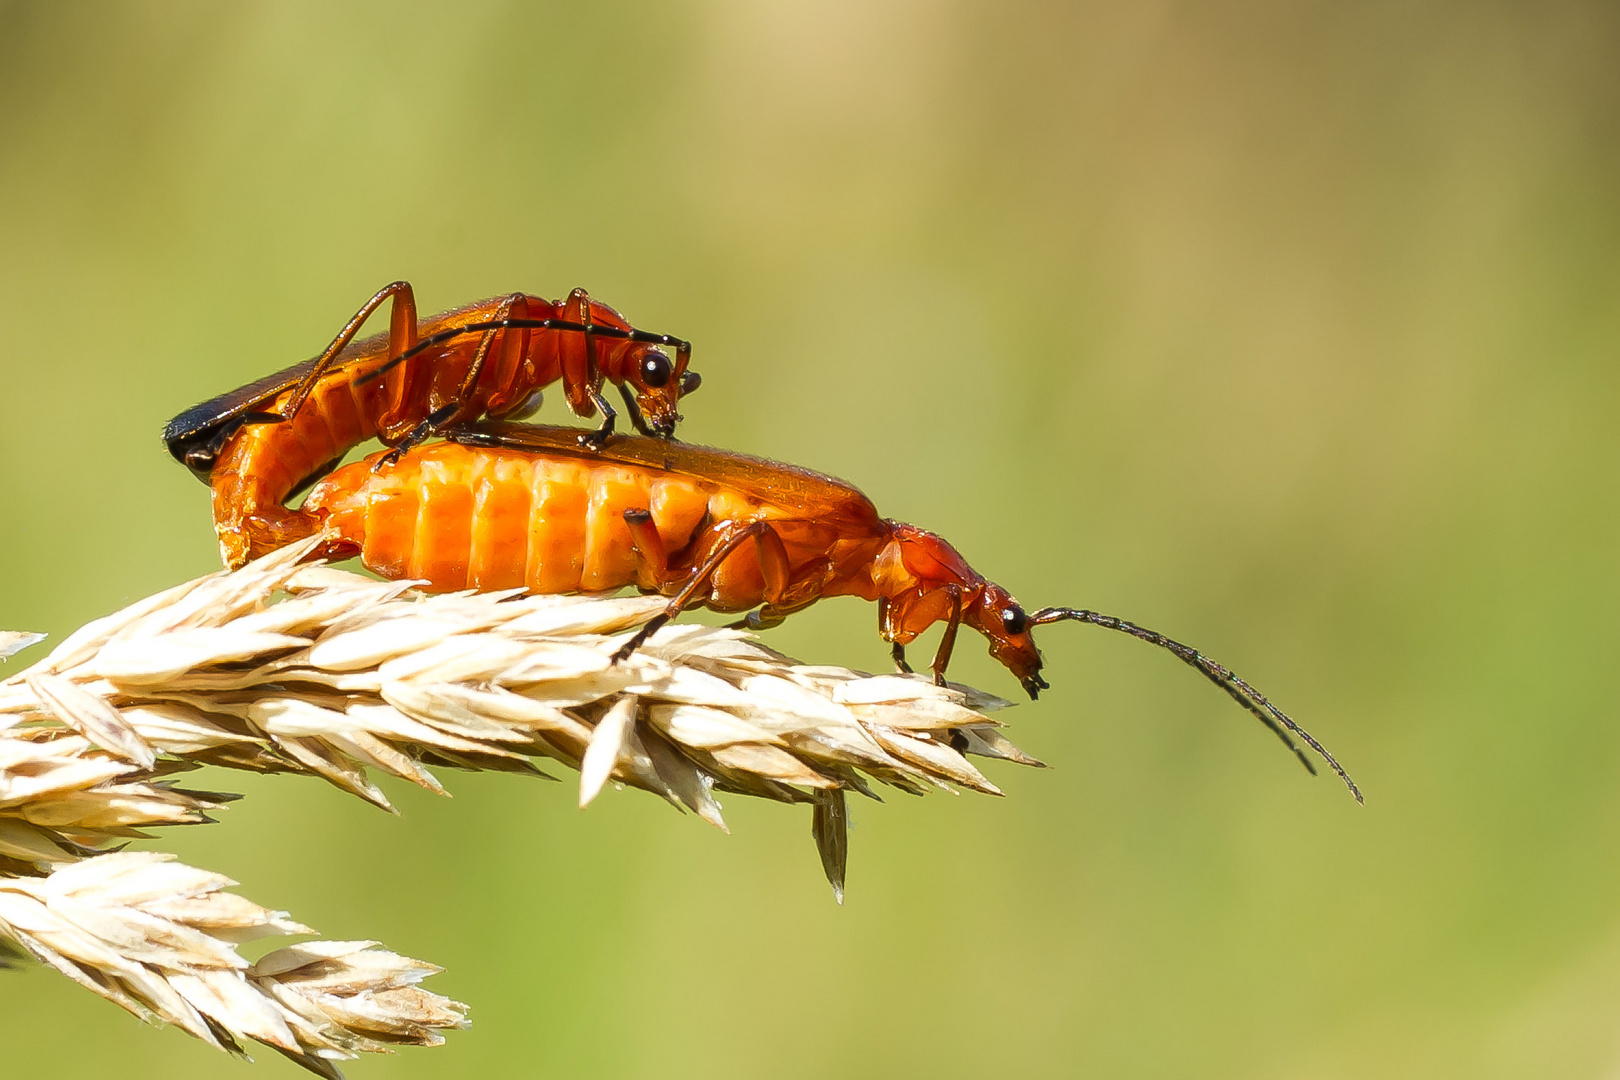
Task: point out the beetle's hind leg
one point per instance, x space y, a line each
401 337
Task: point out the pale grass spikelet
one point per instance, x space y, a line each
159 938
290 667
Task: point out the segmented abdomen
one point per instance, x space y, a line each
262 464
463 518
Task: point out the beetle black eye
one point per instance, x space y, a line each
690 382
1013 620
655 369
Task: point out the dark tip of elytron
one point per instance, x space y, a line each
638 517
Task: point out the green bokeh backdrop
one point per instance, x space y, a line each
1287 328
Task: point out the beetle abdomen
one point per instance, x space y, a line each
460 519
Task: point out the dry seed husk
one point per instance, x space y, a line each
288 667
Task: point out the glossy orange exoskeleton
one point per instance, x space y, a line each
511 505
258 445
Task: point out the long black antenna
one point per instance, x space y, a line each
1241 692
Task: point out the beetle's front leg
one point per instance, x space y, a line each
942 658
597 439
898 651
886 631
634 411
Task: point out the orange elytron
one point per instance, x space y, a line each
510 505
259 444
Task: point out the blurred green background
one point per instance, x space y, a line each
1289 329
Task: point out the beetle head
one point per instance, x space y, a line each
658 382
918 572
1006 626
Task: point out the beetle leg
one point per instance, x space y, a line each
773 567
401 336
513 341
646 539
701 577
943 657
598 438
806 592
761 618
887 632
634 411
577 360
590 337
439 417
794 595
417 435
784 593
898 651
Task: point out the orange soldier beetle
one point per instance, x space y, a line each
259 444
510 505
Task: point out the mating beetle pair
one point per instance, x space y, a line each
501 505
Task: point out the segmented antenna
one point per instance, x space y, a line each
1279 722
